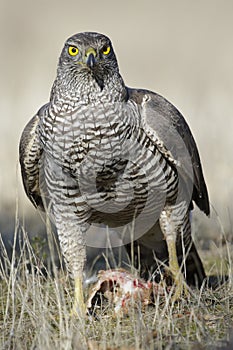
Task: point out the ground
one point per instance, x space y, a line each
35 311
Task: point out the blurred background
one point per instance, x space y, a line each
181 49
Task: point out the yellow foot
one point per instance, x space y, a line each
175 278
79 307
180 287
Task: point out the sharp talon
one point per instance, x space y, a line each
181 289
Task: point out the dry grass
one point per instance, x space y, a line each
35 312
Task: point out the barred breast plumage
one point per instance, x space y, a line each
100 152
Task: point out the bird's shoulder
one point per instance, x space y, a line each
158 111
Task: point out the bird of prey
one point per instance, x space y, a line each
102 153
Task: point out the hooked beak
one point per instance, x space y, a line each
90 57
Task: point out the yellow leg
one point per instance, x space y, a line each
79 307
180 284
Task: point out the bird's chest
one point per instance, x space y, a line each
88 138
109 159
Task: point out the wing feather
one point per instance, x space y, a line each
167 124
30 152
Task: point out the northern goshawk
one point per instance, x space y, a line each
101 153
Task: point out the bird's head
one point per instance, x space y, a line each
88 59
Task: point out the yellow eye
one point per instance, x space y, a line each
106 50
73 51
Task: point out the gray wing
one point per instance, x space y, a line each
30 152
172 131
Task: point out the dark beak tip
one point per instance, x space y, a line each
91 60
